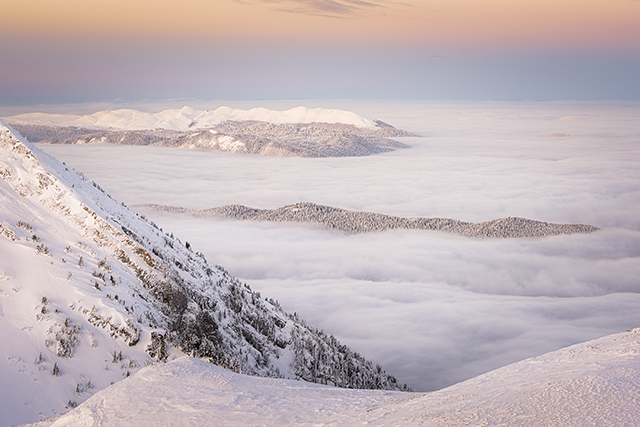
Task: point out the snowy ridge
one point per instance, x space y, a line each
90 293
245 137
187 118
364 222
593 383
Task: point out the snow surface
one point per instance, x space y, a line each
40 290
593 383
187 118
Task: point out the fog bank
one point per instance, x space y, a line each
432 308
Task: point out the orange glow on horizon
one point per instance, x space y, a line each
595 24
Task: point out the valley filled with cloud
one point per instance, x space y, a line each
267 206
432 308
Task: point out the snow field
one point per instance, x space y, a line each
593 383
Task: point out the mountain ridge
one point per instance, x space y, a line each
243 137
187 118
90 293
353 222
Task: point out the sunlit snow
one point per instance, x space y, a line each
595 383
191 118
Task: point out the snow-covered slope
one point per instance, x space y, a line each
298 132
244 137
191 118
594 383
91 293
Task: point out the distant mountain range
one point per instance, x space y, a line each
187 118
90 293
298 132
364 222
244 137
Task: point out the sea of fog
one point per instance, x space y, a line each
432 308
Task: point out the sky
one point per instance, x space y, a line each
79 51
432 308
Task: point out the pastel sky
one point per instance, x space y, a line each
78 50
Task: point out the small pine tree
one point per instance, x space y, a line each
117 357
39 360
56 370
81 262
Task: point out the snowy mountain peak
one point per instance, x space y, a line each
187 118
90 293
